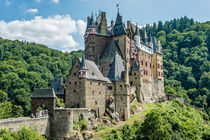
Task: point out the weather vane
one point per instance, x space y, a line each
117 7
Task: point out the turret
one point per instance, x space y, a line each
137 37
83 68
119 27
145 37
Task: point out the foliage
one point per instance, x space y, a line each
22 134
101 127
60 103
25 66
186 46
170 120
80 124
8 110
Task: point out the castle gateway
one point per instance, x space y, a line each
117 58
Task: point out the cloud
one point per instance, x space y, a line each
7 2
55 31
81 25
32 11
55 1
38 1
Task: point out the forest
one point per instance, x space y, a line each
25 66
186 45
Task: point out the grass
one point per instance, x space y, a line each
140 117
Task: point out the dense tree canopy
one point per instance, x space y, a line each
186 47
168 121
25 66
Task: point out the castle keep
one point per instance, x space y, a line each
116 59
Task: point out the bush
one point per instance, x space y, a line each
22 134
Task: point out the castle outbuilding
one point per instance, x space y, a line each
116 59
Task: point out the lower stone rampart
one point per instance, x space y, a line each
56 126
42 124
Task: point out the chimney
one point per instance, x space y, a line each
112 23
128 24
121 19
103 14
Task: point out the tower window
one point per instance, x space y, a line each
75 83
158 66
120 87
74 91
142 62
99 92
146 64
95 102
99 84
109 87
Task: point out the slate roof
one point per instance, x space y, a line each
155 45
117 68
93 72
56 84
135 66
83 63
119 27
43 93
110 51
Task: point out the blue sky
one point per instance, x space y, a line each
60 24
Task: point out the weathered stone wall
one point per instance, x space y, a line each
77 112
42 124
157 66
61 123
75 88
94 46
95 94
122 100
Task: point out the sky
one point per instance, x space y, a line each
60 24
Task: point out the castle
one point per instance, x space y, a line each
116 59
118 62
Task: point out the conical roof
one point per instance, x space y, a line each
83 63
119 27
117 68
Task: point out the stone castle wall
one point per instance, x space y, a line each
41 124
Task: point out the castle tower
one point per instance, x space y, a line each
121 86
96 37
136 80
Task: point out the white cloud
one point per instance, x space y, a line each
81 25
55 31
7 2
38 1
32 11
55 1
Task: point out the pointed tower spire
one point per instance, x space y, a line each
83 63
137 37
119 27
137 30
145 36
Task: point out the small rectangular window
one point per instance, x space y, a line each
120 87
109 87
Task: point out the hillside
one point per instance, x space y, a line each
25 66
186 44
165 121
